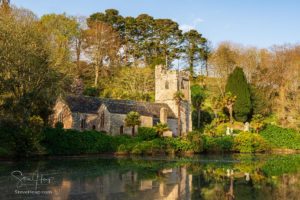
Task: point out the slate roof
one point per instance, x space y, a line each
84 104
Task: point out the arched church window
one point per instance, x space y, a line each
83 123
182 84
121 130
102 120
61 117
167 85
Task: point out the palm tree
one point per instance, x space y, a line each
178 97
228 102
198 97
133 119
161 128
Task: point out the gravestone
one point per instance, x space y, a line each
247 127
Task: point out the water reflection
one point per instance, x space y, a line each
199 177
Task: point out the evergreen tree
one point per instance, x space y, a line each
238 86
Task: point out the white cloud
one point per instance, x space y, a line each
187 27
198 21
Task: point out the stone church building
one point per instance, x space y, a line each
108 115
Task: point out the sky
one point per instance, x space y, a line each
260 23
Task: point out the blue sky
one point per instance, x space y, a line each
261 23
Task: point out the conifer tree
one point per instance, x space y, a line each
238 86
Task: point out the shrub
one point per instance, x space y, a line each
145 133
91 91
257 122
178 145
27 138
59 125
196 140
59 141
210 130
218 144
137 149
122 148
160 128
281 137
249 143
220 130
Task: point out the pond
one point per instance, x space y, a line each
240 176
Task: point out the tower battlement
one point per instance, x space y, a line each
168 82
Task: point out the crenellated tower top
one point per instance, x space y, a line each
168 82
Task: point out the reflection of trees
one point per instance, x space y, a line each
230 193
251 179
270 177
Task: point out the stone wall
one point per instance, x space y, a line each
62 109
172 124
118 120
90 121
107 119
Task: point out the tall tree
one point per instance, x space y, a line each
237 85
168 38
205 55
198 97
28 86
102 47
110 17
193 48
144 38
61 31
78 44
222 62
139 87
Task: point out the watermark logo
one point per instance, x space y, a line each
32 184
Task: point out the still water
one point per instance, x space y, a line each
144 178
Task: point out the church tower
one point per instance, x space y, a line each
167 83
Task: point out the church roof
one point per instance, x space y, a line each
85 104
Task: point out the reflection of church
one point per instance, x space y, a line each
171 184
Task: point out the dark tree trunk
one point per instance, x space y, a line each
230 113
206 67
198 118
133 131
